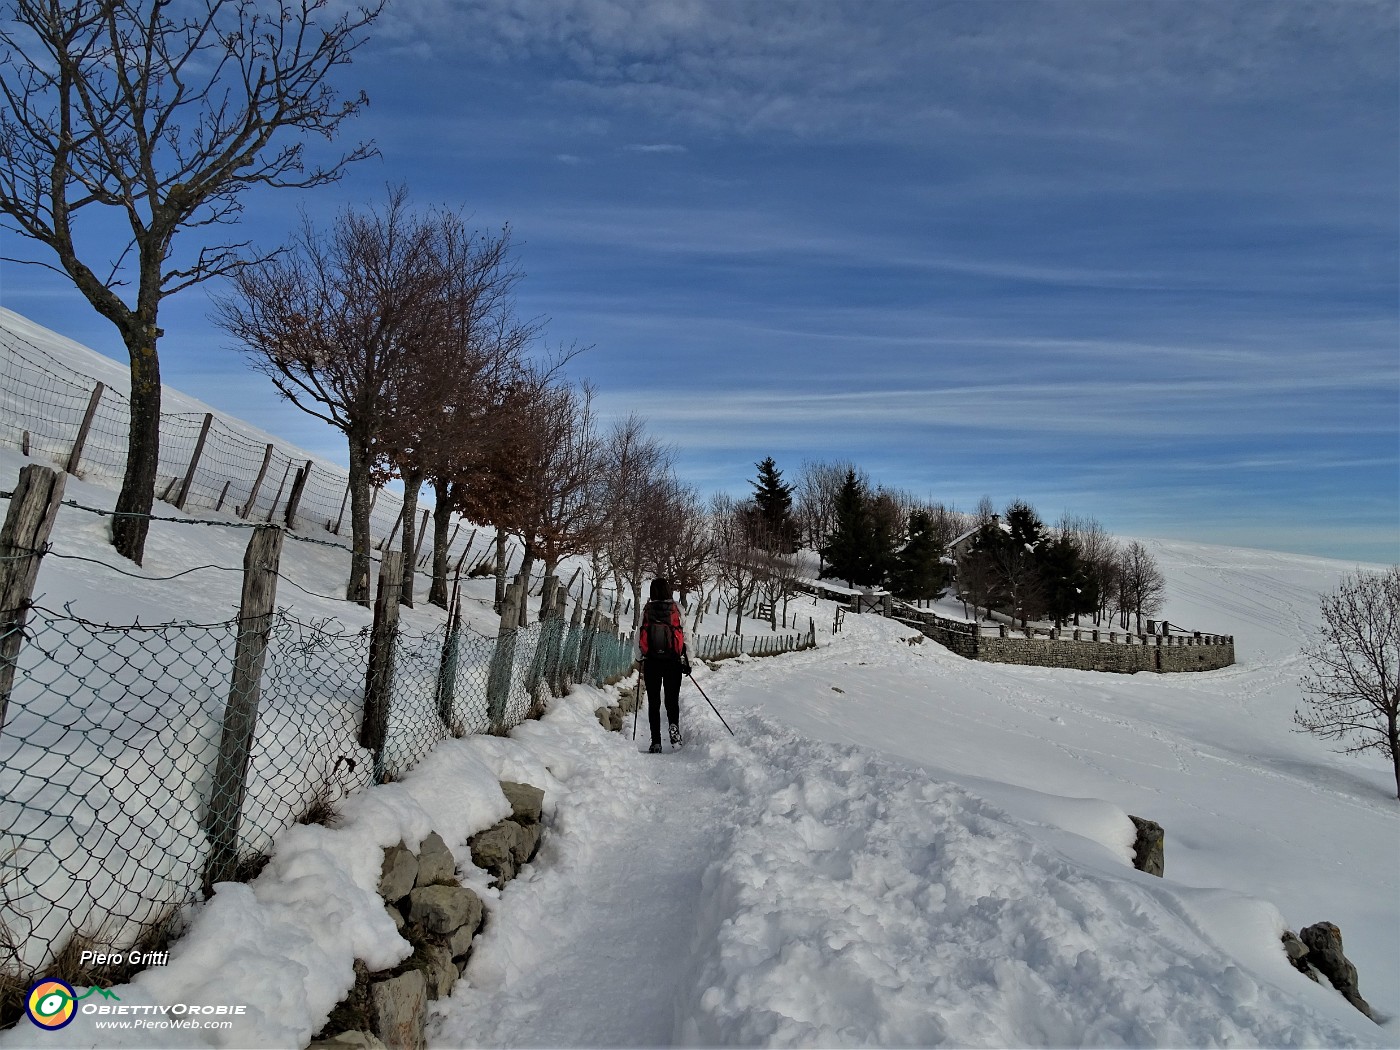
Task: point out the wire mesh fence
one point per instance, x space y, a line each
44 404
113 733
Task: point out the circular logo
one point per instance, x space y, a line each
50 1004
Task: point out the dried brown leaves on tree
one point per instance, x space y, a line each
159 117
333 321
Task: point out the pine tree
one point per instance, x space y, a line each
1065 581
773 499
919 571
846 553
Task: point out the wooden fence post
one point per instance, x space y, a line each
447 664
225 811
343 500
272 510
379 677
75 456
222 494
298 487
540 665
389 542
247 508
418 539
35 503
503 659
194 461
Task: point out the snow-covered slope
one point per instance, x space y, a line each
899 847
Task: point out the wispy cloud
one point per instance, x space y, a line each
657 147
820 66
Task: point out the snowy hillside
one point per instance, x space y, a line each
899 847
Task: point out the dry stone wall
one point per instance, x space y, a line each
1082 649
439 917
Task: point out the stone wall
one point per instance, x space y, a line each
439 917
1082 649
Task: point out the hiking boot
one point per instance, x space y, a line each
676 737
655 748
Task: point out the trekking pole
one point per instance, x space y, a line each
709 701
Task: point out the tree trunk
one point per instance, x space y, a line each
1394 728
442 515
412 485
131 521
636 603
357 590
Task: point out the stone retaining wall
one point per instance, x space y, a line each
1078 648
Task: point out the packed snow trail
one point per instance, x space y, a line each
772 890
585 948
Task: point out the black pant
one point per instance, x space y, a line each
655 673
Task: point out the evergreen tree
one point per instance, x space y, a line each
1065 581
918 570
847 551
773 498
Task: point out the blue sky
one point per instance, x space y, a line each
1134 260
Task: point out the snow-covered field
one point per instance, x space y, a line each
899 847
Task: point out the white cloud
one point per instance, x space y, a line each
658 147
819 66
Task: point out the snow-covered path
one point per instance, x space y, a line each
774 890
588 946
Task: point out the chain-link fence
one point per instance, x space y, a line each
113 734
71 421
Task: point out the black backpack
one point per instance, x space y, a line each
660 631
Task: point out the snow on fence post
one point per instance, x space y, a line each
35 502
247 508
503 659
75 455
294 498
379 676
194 461
225 812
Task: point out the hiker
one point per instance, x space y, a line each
662 658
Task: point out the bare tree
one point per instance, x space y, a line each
818 489
450 382
1140 584
632 487
332 320
736 556
556 515
684 549
161 116
1354 663
467 460
1100 556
